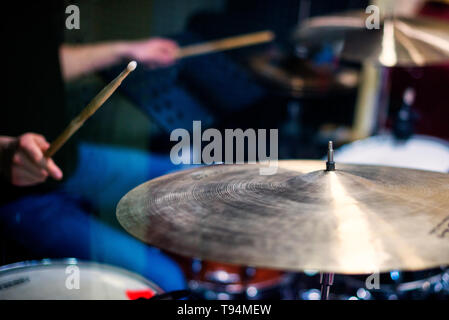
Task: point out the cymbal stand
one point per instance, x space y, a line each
326 280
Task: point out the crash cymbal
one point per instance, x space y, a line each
357 219
400 41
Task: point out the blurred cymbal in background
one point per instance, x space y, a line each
297 77
400 41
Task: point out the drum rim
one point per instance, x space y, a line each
28 264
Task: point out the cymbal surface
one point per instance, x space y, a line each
355 220
400 41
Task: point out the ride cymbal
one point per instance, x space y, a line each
357 219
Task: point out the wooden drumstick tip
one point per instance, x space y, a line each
89 110
131 66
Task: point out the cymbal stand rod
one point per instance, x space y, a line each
330 164
326 280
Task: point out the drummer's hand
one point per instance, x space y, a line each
29 166
155 52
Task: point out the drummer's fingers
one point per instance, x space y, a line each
53 170
30 143
22 160
41 142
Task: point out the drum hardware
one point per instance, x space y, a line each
326 281
398 285
330 164
436 283
327 278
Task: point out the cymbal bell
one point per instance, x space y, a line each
400 41
355 220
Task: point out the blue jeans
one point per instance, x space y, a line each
60 224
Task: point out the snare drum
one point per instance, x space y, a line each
70 279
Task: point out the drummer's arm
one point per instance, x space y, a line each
77 60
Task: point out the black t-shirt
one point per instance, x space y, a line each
32 99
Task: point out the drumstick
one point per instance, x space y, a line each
226 44
89 110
